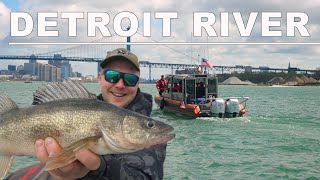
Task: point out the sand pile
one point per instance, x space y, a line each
233 81
277 80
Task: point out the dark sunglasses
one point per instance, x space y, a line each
113 76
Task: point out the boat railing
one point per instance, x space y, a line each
241 99
205 103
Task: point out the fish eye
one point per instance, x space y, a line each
151 124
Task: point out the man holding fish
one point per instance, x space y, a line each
131 145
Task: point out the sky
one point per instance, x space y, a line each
182 30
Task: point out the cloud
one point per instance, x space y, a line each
4 20
275 56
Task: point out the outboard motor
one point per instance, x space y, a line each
218 107
232 107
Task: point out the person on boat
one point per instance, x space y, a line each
122 92
177 87
201 90
161 85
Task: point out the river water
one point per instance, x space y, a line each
278 138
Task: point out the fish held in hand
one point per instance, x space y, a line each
77 120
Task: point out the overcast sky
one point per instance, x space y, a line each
278 56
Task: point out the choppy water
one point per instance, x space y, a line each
279 138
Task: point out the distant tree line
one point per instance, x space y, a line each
264 77
317 74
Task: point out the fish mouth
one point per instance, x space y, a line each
166 135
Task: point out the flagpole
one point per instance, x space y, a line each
207 48
208 53
191 50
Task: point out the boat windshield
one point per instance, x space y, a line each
213 87
190 88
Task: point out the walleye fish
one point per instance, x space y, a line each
77 120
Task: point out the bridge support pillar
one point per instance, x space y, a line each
99 68
150 73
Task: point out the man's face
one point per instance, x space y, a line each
117 93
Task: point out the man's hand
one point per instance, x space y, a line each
86 160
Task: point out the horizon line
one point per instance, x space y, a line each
164 43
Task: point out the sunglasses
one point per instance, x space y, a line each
113 76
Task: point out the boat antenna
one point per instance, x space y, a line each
208 69
207 48
191 49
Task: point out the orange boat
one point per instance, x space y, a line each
197 96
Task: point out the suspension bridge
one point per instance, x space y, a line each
89 53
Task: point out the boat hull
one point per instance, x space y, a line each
169 104
192 110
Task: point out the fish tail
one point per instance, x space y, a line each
5 164
6 103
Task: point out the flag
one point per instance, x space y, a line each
206 63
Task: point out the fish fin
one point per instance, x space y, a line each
6 103
67 155
5 164
56 91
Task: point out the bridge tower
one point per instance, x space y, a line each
128 40
149 73
99 68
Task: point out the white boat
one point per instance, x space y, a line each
198 97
